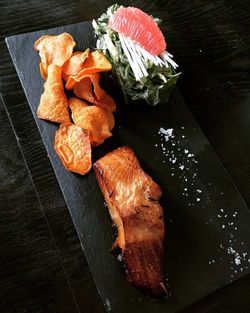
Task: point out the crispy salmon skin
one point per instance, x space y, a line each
132 199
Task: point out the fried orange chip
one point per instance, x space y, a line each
74 65
89 80
42 71
96 62
53 102
106 102
72 144
94 94
77 102
84 90
96 120
54 50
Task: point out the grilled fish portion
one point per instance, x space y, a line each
132 199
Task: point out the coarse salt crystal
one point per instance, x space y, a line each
168 133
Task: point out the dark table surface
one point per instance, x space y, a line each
43 268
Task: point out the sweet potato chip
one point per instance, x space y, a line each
96 120
106 102
89 80
53 102
73 147
84 90
74 65
77 102
54 50
96 62
95 94
42 71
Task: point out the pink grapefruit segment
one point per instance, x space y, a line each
139 27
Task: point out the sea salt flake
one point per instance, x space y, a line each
230 250
168 133
223 226
186 151
181 167
198 199
198 190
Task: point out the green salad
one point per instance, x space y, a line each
153 88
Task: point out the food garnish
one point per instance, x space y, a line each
132 199
135 46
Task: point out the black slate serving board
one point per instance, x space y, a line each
207 221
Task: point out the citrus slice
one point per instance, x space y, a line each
139 27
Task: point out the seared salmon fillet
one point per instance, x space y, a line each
132 199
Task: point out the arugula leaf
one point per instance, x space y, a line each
155 87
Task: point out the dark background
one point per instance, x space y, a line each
42 267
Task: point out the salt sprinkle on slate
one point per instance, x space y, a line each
182 160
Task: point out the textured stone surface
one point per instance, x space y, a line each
43 268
